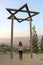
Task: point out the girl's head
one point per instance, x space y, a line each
20 43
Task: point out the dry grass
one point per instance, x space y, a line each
36 60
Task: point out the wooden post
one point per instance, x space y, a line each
12 38
31 37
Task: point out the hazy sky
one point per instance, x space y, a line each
20 29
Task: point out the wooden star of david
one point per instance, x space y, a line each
30 13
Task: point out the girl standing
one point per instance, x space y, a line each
20 49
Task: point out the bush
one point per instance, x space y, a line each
4 48
15 50
26 50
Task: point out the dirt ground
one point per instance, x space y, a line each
36 60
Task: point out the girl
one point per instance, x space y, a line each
20 49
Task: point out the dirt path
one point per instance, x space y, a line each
37 59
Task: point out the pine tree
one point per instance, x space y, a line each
42 44
34 40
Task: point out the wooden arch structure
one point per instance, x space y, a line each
29 18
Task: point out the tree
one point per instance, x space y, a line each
42 44
34 40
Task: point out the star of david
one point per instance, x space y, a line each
30 13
